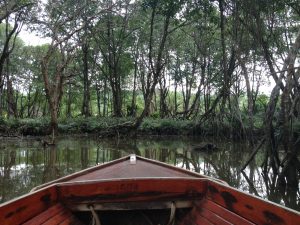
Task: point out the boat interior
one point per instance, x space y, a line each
179 210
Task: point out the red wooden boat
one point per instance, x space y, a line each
135 190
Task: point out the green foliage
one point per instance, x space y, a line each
2 120
89 125
111 48
166 126
34 127
296 127
94 125
261 103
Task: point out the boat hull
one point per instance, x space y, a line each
182 198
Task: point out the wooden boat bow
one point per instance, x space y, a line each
118 191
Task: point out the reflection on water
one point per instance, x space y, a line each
25 164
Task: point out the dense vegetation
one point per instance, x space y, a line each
203 63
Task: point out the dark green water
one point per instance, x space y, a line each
25 164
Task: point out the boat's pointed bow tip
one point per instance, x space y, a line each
132 159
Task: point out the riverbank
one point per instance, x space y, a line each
150 126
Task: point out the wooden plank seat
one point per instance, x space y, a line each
57 214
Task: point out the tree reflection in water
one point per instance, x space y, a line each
24 164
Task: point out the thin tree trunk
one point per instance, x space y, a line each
54 92
69 102
98 93
133 101
249 99
86 83
11 106
224 56
105 98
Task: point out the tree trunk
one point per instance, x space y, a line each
86 83
117 98
11 103
8 46
133 100
22 107
272 144
69 102
1 101
98 92
53 91
157 67
249 99
225 93
105 98
163 108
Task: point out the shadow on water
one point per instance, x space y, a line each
25 164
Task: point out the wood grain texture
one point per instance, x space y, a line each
195 218
212 217
132 190
57 214
250 207
23 209
141 169
224 213
44 216
59 218
121 168
207 212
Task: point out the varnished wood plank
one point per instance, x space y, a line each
250 207
195 218
224 213
22 209
71 221
121 168
58 218
200 220
212 217
57 214
44 216
81 173
142 168
132 190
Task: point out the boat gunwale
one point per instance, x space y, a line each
254 196
79 182
33 192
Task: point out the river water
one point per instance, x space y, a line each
25 163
